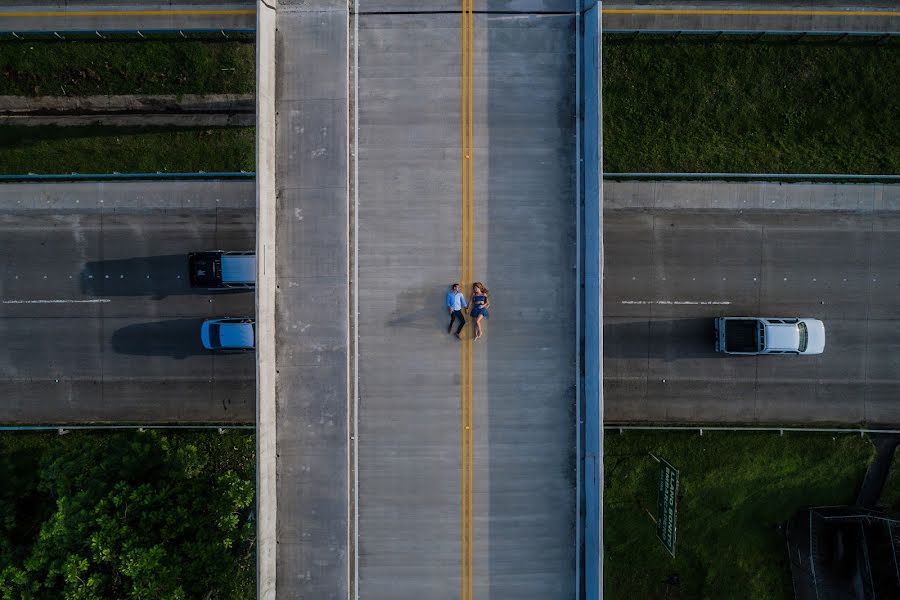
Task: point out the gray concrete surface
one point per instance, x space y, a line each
859 16
453 7
266 374
669 272
737 196
125 15
311 310
98 320
523 381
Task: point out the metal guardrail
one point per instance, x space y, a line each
18 34
759 35
62 429
635 33
37 177
830 177
826 177
701 428
589 264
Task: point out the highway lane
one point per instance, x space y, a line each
669 272
126 15
100 325
859 16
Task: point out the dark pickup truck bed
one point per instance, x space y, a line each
742 335
205 269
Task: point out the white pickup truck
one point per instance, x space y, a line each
768 335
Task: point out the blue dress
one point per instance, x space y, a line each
477 301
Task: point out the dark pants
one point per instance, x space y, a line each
457 314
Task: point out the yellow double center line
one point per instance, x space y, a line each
466 263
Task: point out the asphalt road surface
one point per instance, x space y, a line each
99 323
668 273
126 15
859 16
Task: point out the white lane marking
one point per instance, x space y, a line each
677 302
91 301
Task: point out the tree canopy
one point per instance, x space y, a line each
89 516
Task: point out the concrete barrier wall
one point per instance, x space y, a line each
592 248
265 301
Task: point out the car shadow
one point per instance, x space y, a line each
178 338
156 276
668 339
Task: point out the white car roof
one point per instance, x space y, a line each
782 337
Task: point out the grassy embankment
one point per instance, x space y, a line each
101 67
693 106
125 150
736 488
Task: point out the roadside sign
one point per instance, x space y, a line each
666 505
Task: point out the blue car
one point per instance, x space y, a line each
230 334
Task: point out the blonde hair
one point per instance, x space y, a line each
481 287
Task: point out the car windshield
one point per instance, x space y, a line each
804 336
214 336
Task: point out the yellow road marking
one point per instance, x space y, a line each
765 13
463 419
470 427
466 131
127 13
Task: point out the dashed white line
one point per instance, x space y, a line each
678 302
90 301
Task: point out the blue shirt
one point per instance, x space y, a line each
456 301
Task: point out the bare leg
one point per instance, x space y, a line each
478 325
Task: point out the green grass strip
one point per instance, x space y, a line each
735 489
751 107
104 67
125 150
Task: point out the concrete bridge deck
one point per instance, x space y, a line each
465 449
408 463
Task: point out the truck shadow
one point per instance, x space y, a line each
668 339
156 276
178 338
